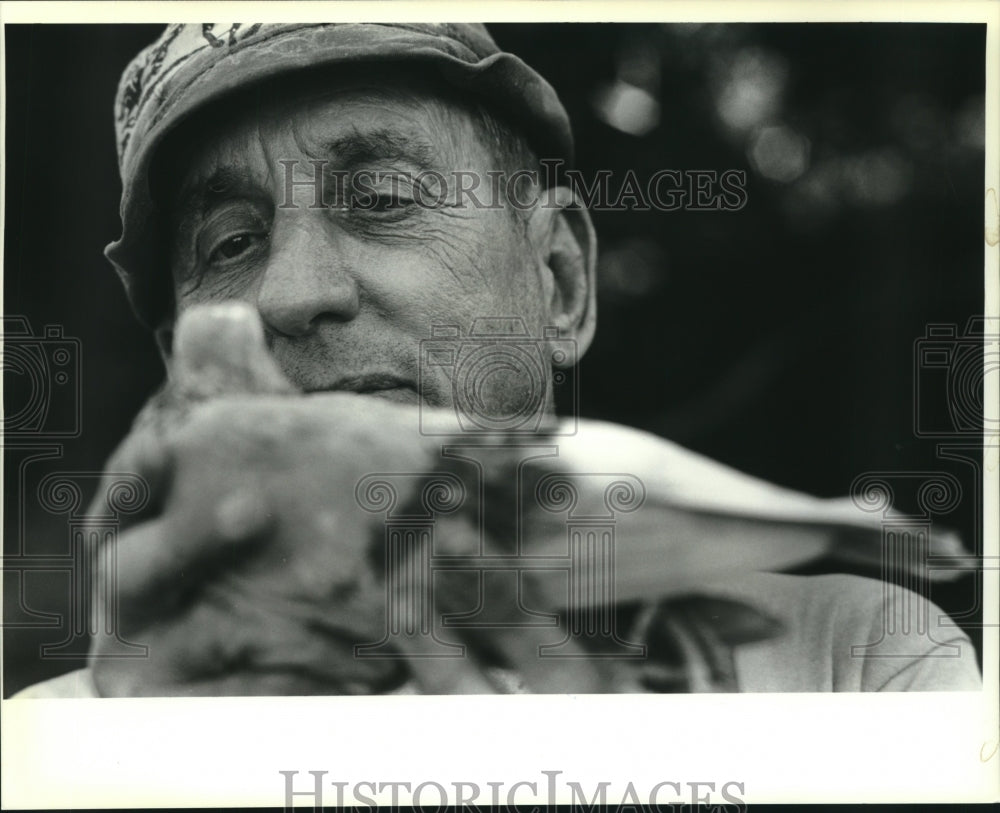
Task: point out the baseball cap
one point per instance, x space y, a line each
192 66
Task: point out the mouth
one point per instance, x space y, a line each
380 385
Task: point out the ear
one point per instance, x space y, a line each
566 247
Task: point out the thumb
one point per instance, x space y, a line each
219 349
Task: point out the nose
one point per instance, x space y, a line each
307 280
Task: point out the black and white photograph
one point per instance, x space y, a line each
393 365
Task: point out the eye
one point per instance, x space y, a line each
388 201
384 202
235 246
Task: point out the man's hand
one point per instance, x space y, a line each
255 570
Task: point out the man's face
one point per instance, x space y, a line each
346 294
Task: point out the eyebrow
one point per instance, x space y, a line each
197 198
349 152
357 148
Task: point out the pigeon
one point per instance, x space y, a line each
695 519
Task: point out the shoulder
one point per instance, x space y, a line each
848 633
76 684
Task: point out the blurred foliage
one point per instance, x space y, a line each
779 337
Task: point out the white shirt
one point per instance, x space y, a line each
842 634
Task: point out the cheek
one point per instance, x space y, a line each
198 287
471 267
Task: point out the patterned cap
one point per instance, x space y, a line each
190 66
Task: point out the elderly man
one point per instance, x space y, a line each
304 207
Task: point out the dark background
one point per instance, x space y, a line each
779 339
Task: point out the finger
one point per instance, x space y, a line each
246 683
546 660
228 632
540 659
437 674
435 668
171 555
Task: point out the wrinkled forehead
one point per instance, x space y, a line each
375 120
